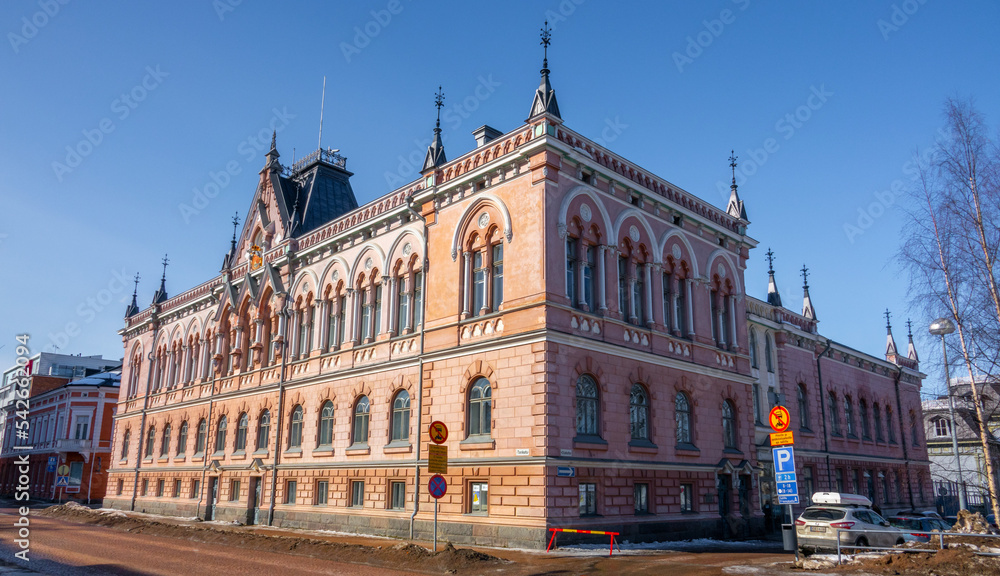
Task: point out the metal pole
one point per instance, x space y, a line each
962 504
435 525
795 536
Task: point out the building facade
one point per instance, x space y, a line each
949 474
577 322
72 424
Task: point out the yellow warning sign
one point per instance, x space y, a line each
782 439
437 459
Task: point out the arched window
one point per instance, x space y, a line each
182 439
125 441
682 418
199 443
326 424
581 261
803 407
242 427
361 414
480 397
942 427
150 440
753 349
729 425
866 431
165 442
220 436
834 415
890 425
587 407
877 412
639 413
263 430
914 437
295 428
849 416
401 417
768 353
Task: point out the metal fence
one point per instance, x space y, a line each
939 536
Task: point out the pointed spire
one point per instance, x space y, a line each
807 306
545 96
773 298
272 154
911 350
435 152
735 207
133 308
161 294
236 222
890 343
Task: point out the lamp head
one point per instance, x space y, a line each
942 326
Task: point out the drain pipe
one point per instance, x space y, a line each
902 436
145 407
822 411
279 421
420 364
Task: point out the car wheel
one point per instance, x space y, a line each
861 541
899 542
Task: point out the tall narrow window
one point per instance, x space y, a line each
834 415
639 413
849 416
263 430
587 407
336 336
165 442
403 297
729 425
199 443
877 412
295 428
756 403
220 436
366 313
401 417
753 349
377 318
361 411
682 418
478 283
418 299
713 297
479 408
623 306
768 354
890 425
326 424
242 427
571 262
680 309
182 439
803 407
497 276
125 442
150 440
589 265
915 439
866 431
639 294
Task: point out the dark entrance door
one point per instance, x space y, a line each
725 501
253 506
213 495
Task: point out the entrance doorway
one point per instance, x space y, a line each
213 496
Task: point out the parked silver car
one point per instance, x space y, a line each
817 527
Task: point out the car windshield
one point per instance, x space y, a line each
823 514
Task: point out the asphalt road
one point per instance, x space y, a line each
67 549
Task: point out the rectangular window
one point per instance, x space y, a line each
840 479
160 484
290 489
195 488
336 336
807 484
145 487
377 321
623 286
668 280
357 494
687 498
121 487
588 499
680 308
398 501
589 265
641 495
480 498
403 298
234 491
756 403
418 299
497 276
322 491
571 248
478 284
713 296
366 316
177 488
82 428
639 294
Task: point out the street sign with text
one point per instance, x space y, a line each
784 475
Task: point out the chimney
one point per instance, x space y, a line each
485 134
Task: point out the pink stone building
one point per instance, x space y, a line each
579 324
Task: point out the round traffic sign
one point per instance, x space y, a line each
779 418
438 432
63 470
437 486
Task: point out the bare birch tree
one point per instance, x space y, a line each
951 250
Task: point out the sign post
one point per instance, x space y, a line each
437 464
437 486
783 454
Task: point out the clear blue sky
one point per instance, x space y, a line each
671 86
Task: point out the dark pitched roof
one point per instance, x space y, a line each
313 197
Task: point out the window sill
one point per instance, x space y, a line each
732 451
219 454
180 458
477 443
806 431
358 450
239 455
643 446
260 453
397 449
690 449
198 457
147 460
588 442
163 459
293 453
323 451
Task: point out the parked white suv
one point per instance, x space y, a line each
817 527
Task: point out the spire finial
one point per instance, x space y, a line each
161 294
165 262
805 276
236 222
546 40
732 164
274 139
135 291
909 329
770 261
887 314
133 308
438 102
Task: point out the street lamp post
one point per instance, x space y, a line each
940 327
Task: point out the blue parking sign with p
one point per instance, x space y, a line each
784 474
